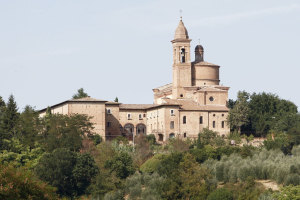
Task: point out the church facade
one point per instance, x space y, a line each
193 101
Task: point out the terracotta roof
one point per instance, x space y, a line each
112 102
144 106
186 104
85 99
164 87
136 106
205 63
210 89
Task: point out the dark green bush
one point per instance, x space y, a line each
220 194
292 179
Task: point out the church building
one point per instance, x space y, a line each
193 101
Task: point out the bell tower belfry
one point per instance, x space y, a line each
182 70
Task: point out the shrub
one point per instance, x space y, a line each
271 164
151 165
220 194
292 179
144 186
288 193
151 139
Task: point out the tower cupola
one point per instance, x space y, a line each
181 32
199 53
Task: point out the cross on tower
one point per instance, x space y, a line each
180 11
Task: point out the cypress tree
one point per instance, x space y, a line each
2 131
11 116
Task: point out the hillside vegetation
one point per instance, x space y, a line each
60 157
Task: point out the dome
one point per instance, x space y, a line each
199 48
181 32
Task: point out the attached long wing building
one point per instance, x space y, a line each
195 100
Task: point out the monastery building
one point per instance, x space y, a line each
195 100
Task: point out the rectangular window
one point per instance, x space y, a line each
108 124
172 125
214 124
201 120
172 112
184 120
144 115
108 111
128 116
223 124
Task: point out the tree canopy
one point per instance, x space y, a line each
80 94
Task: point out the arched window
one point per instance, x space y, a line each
184 135
201 120
171 135
184 120
140 128
128 128
182 55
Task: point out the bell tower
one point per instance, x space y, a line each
182 70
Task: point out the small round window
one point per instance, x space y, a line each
211 98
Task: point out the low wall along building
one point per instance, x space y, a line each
193 101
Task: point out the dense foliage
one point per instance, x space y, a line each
265 164
20 183
57 156
261 113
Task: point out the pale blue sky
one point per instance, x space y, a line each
50 48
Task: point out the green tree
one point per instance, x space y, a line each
238 115
142 150
19 183
294 131
199 143
11 116
230 103
62 131
269 112
83 172
194 179
2 102
69 172
121 164
56 169
80 94
117 99
30 126
3 133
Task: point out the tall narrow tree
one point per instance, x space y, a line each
238 115
3 134
11 116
